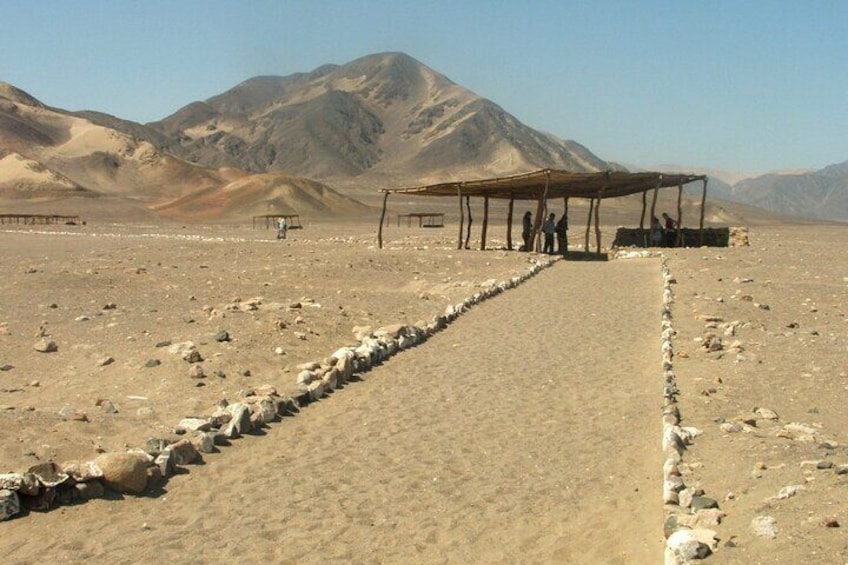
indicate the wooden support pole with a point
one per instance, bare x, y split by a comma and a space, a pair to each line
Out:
703, 211
509, 223
540, 212
642, 218
598, 226
470, 220
589, 224
679, 241
485, 222
461, 216
598, 213
382, 217
565, 234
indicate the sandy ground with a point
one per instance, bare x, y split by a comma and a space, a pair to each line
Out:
526, 432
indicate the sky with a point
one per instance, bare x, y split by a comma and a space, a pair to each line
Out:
736, 85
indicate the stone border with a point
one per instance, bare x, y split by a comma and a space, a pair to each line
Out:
688, 511
48, 485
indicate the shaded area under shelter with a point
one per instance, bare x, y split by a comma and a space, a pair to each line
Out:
545, 184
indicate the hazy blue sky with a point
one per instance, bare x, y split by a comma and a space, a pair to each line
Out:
741, 85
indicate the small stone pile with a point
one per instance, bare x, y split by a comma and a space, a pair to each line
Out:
47, 485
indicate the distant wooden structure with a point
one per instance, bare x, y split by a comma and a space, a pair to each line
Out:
425, 219
270, 221
542, 185
33, 219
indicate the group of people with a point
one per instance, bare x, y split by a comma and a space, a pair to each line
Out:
550, 228
663, 234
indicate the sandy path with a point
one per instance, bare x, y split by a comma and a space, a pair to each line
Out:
527, 432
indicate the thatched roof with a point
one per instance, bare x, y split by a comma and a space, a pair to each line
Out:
553, 184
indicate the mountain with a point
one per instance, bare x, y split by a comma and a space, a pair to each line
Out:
384, 119
821, 194
52, 160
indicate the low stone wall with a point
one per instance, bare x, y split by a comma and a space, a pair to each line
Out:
48, 485
689, 513
713, 237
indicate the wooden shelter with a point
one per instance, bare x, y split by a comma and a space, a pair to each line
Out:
544, 184
271, 221
425, 219
32, 219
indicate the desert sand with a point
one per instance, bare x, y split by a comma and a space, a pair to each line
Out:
528, 431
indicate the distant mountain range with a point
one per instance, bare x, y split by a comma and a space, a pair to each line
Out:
278, 144
812, 194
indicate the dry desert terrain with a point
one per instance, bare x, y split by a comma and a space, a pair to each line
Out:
527, 431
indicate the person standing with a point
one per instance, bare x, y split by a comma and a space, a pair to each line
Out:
527, 230
562, 234
656, 232
670, 231
282, 227
549, 229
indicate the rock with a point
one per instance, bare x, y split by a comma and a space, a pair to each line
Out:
82, 471
48, 474
124, 472
89, 490
766, 414
687, 545
764, 526
71, 413
195, 424
702, 503
103, 361
6, 367
11, 481
192, 356
305, 378
155, 446
196, 371
185, 453
45, 346
789, 491
222, 335
107, 406
830, 522
204, 442
165, 463
10, 504
152, 363
240, 422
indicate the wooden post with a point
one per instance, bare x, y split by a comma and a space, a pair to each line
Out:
485, 222
597, 226
642, 218
382, 217
470, 220
654, 207
703, 208
565, 215
541, 209
461, 216
509, 224
589, 225
679, 241
598, 213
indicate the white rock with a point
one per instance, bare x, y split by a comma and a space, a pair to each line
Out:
764, 526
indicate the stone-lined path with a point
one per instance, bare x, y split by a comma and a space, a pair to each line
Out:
527, 432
